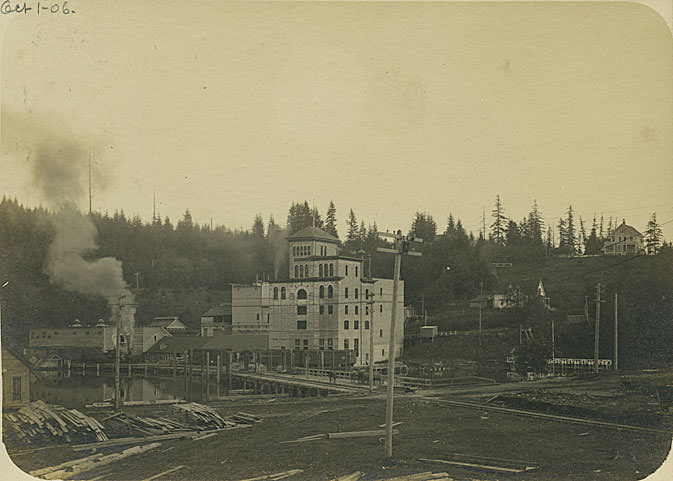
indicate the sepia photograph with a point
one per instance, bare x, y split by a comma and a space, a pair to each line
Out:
339, 241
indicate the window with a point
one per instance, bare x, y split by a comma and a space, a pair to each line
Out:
321, 291
356, 271
16, 388
330, 292
309, 250
356, 344
346, 293
268, 318
321, 344
380, 307
306, 344
296, 271
322, 310
301, 271
258, 316
357, 309
306, 270
346, 269
301, 294
301, 324
330, 344
297, 343
301, 310
366, 293
346, 309
345, 343
345, 324
325, 269
331, 270
381, 291
320, 270
367, 310
366, 325
330, 309
357, 293
275, 293
380, 332
356, 324
383, 352
282, 292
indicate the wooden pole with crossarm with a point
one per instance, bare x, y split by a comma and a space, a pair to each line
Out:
401, 246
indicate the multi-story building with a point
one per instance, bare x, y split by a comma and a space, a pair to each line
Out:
623, 240
324, 303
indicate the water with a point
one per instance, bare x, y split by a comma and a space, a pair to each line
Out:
76, 391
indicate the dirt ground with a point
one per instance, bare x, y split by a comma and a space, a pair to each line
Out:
562, 451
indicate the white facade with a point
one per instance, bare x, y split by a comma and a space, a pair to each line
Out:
323, 307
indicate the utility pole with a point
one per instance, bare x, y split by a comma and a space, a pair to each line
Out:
401, 247
597, 326
616, 347
137, 276
481, 295
90, 154
371, 342
118, 356
553, 349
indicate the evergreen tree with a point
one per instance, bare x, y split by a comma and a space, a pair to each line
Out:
534, 226
570, 235
330, 220
563, 235
258, 227
513, 235
450, 225
352, 243
498, 227
299, 217
423, 226
653, 235
601, 232
582, 240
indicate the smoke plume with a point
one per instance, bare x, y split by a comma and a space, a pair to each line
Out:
67, 266
59, 172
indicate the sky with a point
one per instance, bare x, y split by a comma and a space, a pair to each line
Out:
235, 109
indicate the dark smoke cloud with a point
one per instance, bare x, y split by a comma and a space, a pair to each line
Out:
58, 160
75, 238
59, 170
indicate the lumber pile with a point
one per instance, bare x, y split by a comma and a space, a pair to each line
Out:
145, 425
200, 416
40, 422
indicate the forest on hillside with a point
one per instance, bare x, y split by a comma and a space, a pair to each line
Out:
159, 256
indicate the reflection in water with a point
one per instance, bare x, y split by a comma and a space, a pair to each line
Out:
76, 391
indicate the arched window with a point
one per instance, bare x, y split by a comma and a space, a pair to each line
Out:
325, 270
301, 271
282, 293
366, 293
275, 293
331, 270
322, 292
306, 270
320, 270
294, 251
330, 292
301, 294
296, 271
309, 250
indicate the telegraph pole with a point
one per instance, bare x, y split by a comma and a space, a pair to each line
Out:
371, 342
597, 326
118, 357
616, 348
401, 247
553, 349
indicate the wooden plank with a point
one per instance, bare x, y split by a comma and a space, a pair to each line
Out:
284, 474
501, 469
158, 475
357, 434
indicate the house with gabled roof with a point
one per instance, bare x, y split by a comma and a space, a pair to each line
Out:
16, 373
171, 324
624, 240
